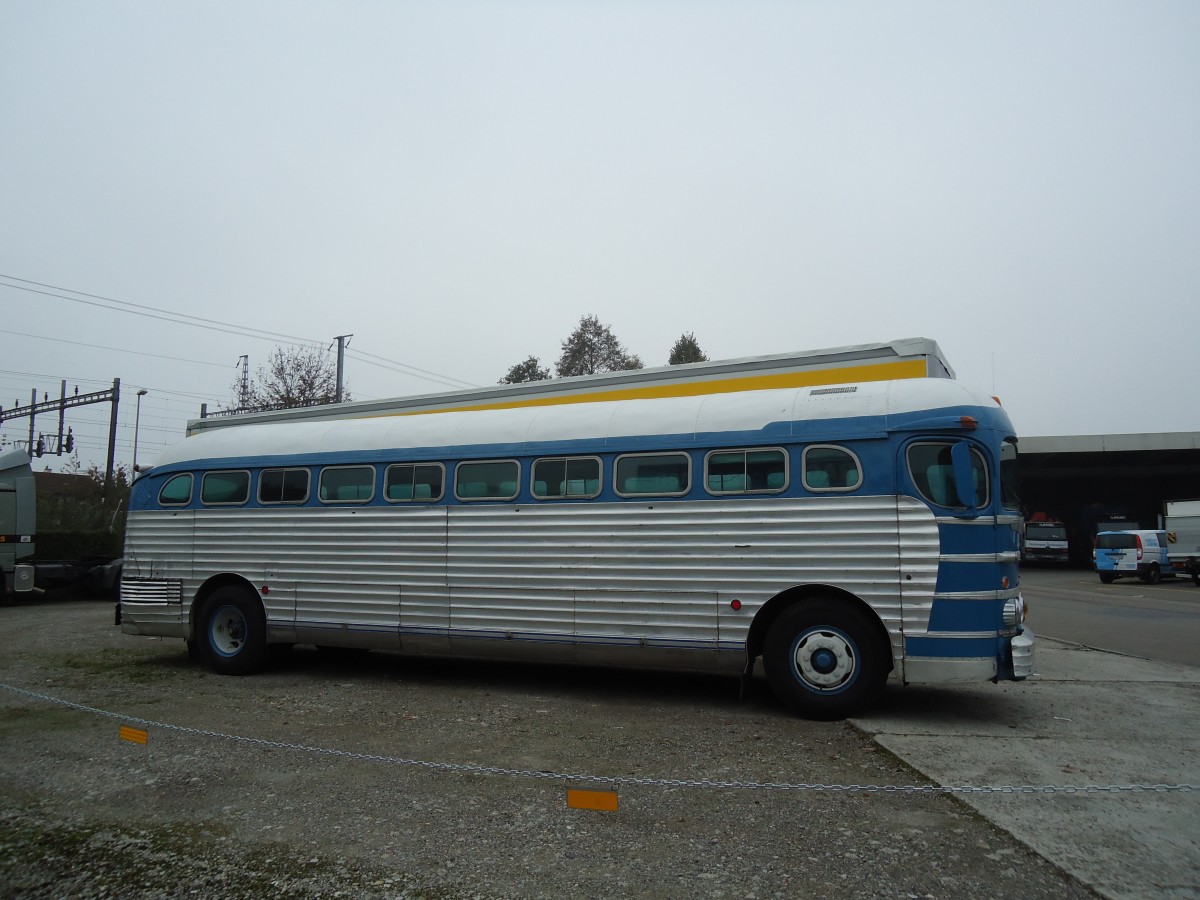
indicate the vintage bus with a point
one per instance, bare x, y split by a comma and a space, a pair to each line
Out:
830, 514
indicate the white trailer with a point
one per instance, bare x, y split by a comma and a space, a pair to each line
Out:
1182, 524
17, 511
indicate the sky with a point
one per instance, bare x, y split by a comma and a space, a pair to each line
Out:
456, 184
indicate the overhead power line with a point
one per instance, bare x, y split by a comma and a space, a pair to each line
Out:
199, 362
151, 312
373, 360
166, 315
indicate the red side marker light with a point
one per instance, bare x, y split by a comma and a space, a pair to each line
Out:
266, 589
968, 422
736, 605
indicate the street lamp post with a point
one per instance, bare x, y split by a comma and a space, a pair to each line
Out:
137, 421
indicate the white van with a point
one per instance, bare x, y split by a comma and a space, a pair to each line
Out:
1141, 553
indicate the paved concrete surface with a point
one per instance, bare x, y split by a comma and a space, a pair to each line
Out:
1086, 717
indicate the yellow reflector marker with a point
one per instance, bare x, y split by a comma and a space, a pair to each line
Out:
134, 735
602, 800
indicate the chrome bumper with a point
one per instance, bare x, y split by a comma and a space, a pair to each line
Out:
1022, 654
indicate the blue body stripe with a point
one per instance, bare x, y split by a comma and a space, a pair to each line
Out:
965, 615
953, 647
868, 436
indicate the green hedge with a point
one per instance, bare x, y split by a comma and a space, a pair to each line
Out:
72, 545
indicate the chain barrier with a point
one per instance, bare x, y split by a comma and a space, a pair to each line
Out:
617, 780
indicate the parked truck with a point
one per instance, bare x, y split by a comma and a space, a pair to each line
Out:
1045, 540
20, 571
17, 521
1181, 522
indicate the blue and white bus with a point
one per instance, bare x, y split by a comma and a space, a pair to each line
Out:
842, 531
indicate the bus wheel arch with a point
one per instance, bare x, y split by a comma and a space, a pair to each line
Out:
229, 626
826, 653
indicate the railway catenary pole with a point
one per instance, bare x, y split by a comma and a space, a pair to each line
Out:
342, 342
112, 443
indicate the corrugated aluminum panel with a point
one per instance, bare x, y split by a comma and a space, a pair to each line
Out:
641, 574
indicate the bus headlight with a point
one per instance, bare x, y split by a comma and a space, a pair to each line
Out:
1014, 611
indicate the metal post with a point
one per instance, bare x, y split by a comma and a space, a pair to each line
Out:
112, 443
137, 423
341, 364
62, 415
32, 413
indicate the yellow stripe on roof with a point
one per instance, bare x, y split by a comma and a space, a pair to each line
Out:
913, 368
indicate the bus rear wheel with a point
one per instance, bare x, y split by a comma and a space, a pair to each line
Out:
232, 636
824, 660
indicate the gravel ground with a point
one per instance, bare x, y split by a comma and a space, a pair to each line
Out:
197, 812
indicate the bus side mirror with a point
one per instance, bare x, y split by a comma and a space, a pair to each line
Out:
964, 476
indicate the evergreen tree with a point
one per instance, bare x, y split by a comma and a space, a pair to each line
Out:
593, 348
528, 370
686, 350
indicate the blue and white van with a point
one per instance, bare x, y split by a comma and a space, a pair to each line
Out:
1124, 553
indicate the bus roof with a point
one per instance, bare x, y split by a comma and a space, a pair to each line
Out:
908, 358
763, 416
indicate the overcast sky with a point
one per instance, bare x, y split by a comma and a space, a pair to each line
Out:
456, 184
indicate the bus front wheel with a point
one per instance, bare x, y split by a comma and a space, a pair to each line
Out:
232, 635
824, 660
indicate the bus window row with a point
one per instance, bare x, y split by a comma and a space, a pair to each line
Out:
669, 474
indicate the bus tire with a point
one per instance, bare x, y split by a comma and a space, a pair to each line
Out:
233, 632
1106, 578
824, 660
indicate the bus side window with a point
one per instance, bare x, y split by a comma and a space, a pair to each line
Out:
830, 469
566, 477
221, 488
653, 473
283, 486
499, 480
177, 491
414, 482
347, 484
745, 471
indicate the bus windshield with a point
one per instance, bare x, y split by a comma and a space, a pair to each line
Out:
1008, 475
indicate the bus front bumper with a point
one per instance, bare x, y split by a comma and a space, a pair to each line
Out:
1022, 654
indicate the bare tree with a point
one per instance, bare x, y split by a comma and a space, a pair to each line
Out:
293, 376
592, 348
686, 350
528, 370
